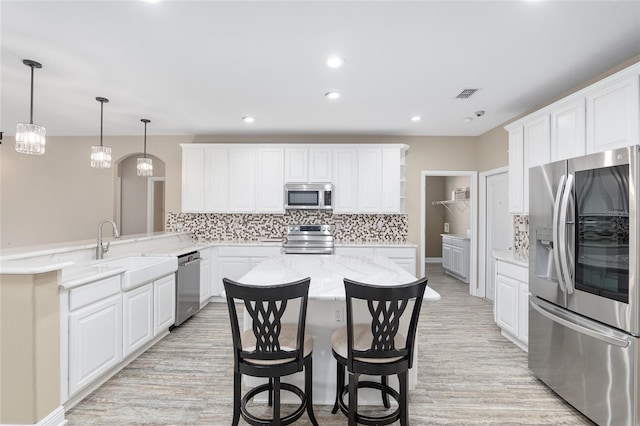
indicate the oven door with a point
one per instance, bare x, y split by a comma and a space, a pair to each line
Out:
602, 238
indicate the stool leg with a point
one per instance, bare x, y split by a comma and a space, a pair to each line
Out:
237, 378
353, 398
270, 398
276, 400
308, 390
339, 385
385, 395
403, 405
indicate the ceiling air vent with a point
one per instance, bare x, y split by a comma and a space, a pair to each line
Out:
466, 93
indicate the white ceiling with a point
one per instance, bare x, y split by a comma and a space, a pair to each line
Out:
198, 67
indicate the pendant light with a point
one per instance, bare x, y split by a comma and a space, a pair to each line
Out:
30, 138
100, 154
145, 165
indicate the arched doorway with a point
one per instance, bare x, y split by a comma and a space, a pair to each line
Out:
140, 200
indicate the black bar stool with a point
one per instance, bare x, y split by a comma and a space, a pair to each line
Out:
271, 349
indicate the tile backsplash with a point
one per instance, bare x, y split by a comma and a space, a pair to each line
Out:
357, 228
521, 234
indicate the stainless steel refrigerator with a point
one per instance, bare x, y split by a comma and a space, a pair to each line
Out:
584, 317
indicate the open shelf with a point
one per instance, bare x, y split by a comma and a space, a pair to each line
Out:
458, 204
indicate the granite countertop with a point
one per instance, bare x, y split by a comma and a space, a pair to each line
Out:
327, 273
511, 256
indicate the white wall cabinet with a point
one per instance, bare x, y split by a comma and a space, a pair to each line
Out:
512, 302
597, 118
216, 170
242, 180
307, 165
345, 168
137, 311
320, 170
164, 303
95, 331
269, 191
456, 256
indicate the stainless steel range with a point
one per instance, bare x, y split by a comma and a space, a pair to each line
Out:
309, 239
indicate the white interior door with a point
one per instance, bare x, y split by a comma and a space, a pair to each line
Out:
499, 224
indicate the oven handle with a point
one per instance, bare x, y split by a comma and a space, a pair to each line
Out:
562, 236
556, 243
580, 328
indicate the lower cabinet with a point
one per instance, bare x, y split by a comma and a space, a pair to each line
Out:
164, 303
137, 313
234, 261
456, 256
205, 276
511, 302
95, 340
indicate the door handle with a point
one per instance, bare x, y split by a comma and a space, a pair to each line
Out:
556, 244
565, 261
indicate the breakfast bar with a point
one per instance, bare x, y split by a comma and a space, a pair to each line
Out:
326, 307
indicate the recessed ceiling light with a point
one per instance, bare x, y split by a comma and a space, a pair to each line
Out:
335, 61
248, 119
332, 95
416, 118
467, 119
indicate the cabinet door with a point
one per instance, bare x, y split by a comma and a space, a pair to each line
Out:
391, 179
568, 130
270, 181
137, 323
215, 180
192, 179
345, 179
612, 116
369, 180
233, 268
95, 341
458, 261
242, 180
507, 304
164, 303
537, 149
205, 280
447, 257
523, 312
516, 171
320, 165
296, 165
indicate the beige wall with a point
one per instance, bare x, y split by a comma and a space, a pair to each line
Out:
493, 149
434, 215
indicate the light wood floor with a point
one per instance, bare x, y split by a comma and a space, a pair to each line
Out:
469, 374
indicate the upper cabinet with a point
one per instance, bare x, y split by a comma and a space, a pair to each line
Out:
597, 118
246, 178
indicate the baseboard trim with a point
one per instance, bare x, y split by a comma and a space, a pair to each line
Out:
55, 418
432, 260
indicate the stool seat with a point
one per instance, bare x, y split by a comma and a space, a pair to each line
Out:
288, 336
362, 339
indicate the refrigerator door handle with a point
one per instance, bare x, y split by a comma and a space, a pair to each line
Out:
580, 328
562, 237
556, 246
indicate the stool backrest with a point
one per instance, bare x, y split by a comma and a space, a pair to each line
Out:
266, 306
387, 306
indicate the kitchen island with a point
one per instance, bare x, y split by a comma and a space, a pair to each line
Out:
326, 308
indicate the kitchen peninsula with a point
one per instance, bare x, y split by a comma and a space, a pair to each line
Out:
326, 308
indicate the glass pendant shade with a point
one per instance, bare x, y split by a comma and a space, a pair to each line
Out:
30, 139
100, 157
145, 167
100, 154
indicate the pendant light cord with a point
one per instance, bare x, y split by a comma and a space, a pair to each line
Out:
101, 108
31, 107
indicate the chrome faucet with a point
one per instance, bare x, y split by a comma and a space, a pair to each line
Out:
100, 249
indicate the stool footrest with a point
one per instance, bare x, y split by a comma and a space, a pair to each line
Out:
371, 420
290, 418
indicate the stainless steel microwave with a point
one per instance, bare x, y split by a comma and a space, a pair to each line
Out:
310, 196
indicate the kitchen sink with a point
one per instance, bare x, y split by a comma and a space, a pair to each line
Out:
141, 269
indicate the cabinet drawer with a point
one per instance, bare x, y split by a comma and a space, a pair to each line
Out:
516, 272
82, 296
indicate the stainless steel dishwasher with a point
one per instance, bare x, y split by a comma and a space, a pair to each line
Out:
187, 286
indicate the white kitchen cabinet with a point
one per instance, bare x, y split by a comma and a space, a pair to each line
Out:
369, 180
516, 169
206, 276
95, 331
193, 178
512, 302
456, 256
307, 165
215, 180
392, 195
242, 180
235, 261
568, 129
269, 191
164, 303
612, 114
320, 170
345, 189
137, 311
537, 149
